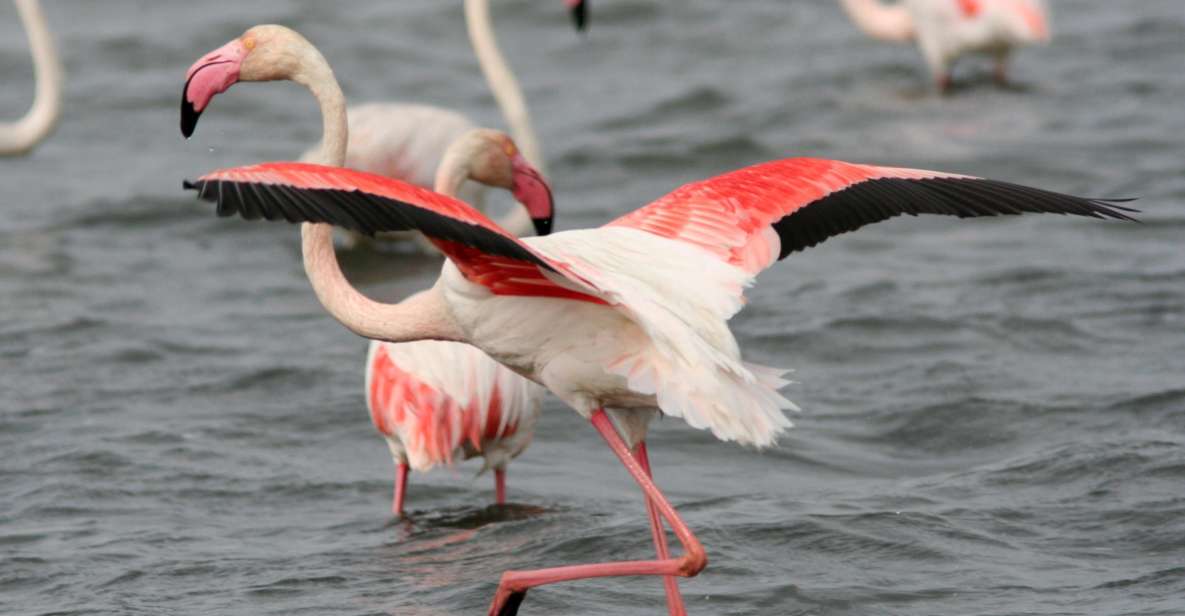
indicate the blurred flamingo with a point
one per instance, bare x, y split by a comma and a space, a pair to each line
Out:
19, 137
433, 401
947, 29
623, 321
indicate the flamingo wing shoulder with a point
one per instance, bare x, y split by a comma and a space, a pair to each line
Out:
757, 215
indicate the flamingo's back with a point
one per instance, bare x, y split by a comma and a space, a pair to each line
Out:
981, 25
405, 142
435, 400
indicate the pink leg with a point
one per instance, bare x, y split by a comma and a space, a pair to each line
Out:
670, 584
500, 486
400, 489
512, 589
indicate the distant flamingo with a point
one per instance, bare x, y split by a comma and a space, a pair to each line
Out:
947, 29
406, 141
630, 317
432, 400
19, 137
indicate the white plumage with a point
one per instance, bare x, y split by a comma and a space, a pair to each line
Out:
662, 341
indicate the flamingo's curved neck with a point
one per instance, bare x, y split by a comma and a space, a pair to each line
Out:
313, 72
22, 135
501, 81
424, 316
881, 21
421, 317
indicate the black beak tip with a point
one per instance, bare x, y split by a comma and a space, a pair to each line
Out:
580, 15
542, 225
189, 117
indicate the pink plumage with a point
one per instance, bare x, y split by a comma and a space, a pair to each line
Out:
436, 401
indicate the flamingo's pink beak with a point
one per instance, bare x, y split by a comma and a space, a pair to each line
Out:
531, 190
579, 11
209, 76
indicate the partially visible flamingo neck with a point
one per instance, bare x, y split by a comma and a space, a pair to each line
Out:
501, 81
19, 137
314, 73
880, 21
424, 316
421, 317
455, 167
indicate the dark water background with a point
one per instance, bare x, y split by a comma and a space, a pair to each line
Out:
994, 410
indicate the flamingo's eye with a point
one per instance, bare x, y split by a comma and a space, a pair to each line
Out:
249, 42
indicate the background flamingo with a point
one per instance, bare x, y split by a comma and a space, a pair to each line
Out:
432, 400
631, 316
407, 141
19, 137
947, 29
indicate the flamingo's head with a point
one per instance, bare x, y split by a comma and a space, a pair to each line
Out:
491, 157
263, 53
579, 11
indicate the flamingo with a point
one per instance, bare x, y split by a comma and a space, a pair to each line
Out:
407, 141
432, 401
622, 321
435, 400
19, 137
947, 29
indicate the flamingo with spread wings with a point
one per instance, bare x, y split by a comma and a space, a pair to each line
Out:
944, 30
621, 321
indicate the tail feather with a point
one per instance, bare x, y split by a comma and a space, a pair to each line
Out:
743, 407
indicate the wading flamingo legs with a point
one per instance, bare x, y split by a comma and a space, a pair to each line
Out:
513, 587
670, 584
500, 486
400, 489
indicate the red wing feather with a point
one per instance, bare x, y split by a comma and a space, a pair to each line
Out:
369, 203
756, 215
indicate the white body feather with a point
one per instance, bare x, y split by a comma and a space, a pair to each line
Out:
662, 342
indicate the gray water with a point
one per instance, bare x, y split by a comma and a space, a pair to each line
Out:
994, 410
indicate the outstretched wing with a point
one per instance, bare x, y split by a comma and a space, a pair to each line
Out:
755, 216
368, 203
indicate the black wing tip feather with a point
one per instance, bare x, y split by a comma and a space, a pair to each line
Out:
351, 209
879, 199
